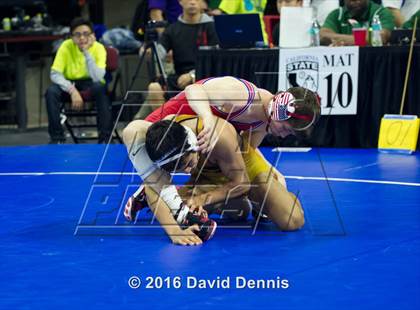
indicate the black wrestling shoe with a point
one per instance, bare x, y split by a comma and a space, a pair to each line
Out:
263, 218
134, 204
207, 226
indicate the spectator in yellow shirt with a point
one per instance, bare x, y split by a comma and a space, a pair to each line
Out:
79, 65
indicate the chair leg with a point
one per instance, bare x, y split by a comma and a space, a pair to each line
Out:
117, 136
70, 130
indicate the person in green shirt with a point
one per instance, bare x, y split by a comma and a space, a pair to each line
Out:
337, 29
213, 4
409, 24
244, 7
79, 65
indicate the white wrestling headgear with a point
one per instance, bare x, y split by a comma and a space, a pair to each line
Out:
193, 147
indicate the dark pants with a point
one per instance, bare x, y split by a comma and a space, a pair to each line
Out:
55, 97
172, 88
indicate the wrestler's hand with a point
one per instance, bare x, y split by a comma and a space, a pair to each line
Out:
207, 137
186, 236
195, 205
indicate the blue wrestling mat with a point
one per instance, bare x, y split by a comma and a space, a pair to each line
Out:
64, 243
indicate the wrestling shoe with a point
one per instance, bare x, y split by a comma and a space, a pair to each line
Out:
207, 226
135, 203
263, 218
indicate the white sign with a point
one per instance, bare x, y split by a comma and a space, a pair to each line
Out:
332, 72
294, 27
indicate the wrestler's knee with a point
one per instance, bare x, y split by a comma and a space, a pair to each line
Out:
295, 222
296, 219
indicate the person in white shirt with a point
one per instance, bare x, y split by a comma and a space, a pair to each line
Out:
402, 9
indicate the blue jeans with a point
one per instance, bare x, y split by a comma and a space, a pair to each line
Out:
55, 97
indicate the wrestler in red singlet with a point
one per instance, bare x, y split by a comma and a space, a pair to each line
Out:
179, 105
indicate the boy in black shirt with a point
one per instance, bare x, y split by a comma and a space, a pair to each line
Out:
183, 38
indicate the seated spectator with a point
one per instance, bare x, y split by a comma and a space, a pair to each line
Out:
401, 9
79, 64
193, 29
409, 24
244, 7
337, 30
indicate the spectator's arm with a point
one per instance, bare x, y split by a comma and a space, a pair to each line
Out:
165, 44
394, 6
215, 12
328, 37
398, 17
95, 72
387, 22
59, 79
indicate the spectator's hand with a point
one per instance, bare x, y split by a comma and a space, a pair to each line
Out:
186, 236
76, 100
207, 137
214, 12
335, 43
184, 80
90, 39
170, 57
148, 52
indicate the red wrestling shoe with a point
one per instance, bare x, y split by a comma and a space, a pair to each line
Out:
207, 226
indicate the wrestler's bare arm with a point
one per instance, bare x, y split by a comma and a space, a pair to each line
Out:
166, 219
228, 157
226, 92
